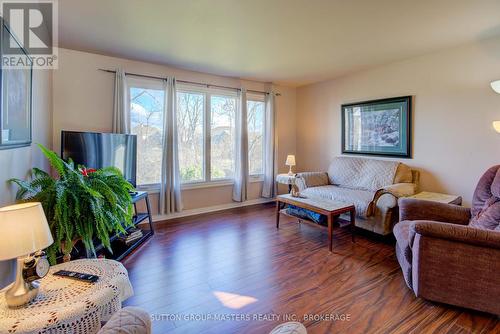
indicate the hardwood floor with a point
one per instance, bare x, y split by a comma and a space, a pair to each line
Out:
238, 269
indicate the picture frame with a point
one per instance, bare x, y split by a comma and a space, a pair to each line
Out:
15, 96
380, 127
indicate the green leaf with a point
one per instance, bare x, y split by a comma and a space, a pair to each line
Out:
76, 206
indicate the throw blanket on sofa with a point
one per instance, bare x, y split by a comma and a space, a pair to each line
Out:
360, 198
359, 173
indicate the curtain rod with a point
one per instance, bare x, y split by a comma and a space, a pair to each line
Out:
188, 82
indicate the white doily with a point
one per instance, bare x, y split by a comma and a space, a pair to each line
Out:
66, 305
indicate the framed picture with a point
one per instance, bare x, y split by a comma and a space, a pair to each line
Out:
15, 96
378, 127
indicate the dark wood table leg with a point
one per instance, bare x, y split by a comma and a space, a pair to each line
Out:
278, 214
353, 225
330, 232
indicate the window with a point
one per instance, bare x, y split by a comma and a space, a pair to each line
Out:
206, 126
222, 137
255, 125
146, 115
190, 127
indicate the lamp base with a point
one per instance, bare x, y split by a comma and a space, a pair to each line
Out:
21, 292
290, 173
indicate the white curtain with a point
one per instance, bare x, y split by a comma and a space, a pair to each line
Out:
170, 188
269, 184
240, 193
121, 111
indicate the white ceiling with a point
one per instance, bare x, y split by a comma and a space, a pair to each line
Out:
291, 42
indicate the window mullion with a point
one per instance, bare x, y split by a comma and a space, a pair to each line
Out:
207, 137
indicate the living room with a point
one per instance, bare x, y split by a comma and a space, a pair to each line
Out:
278, 166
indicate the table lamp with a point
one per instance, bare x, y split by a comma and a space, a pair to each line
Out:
23, 231
290, 161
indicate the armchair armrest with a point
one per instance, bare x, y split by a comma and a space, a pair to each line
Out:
415, 209
311, 179
456, 264
459, 233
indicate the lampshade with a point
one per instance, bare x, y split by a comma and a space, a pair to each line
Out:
290, 160
495, 85
496, 126
23, 230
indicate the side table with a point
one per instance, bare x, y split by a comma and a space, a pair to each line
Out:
438, 197
286, 179
65, 305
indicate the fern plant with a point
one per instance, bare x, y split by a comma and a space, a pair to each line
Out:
80, 203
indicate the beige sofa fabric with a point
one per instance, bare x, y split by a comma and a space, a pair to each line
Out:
373, 186
312, 179
359, 197
403, 174
128, 320
361, 173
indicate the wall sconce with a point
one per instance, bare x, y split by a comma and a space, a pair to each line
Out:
496, 126
495, 85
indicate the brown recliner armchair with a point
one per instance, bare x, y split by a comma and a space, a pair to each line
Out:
450, 254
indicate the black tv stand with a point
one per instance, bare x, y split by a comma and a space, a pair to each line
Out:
120, 250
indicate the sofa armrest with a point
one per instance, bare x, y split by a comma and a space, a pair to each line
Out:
387, 197
415, 209
400, 189
459, 233
311, 179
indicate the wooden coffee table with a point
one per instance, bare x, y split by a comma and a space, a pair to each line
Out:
331, 209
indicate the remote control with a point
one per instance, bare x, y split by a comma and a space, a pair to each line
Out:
78, 276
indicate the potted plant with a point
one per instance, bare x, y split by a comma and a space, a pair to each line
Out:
80, 203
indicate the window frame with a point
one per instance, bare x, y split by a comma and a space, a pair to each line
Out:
143, 83
207, 92
256, 97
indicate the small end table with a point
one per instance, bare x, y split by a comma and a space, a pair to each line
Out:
65, 305
286, 179
438, 197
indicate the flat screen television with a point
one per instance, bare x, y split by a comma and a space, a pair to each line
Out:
98, 150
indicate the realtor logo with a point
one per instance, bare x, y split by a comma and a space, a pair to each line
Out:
29, 34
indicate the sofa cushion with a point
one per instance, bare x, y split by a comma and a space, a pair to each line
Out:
402, 234
405, 267
486, 201
403, 249
489, 217
314, 179
360, 198
483, 190
128, 320
360, 173
403, 174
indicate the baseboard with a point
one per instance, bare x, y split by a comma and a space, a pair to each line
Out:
214, 208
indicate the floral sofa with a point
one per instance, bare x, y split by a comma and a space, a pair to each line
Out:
373, 186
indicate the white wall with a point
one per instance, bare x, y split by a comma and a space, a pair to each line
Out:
83, 101
16, 163
453, 140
